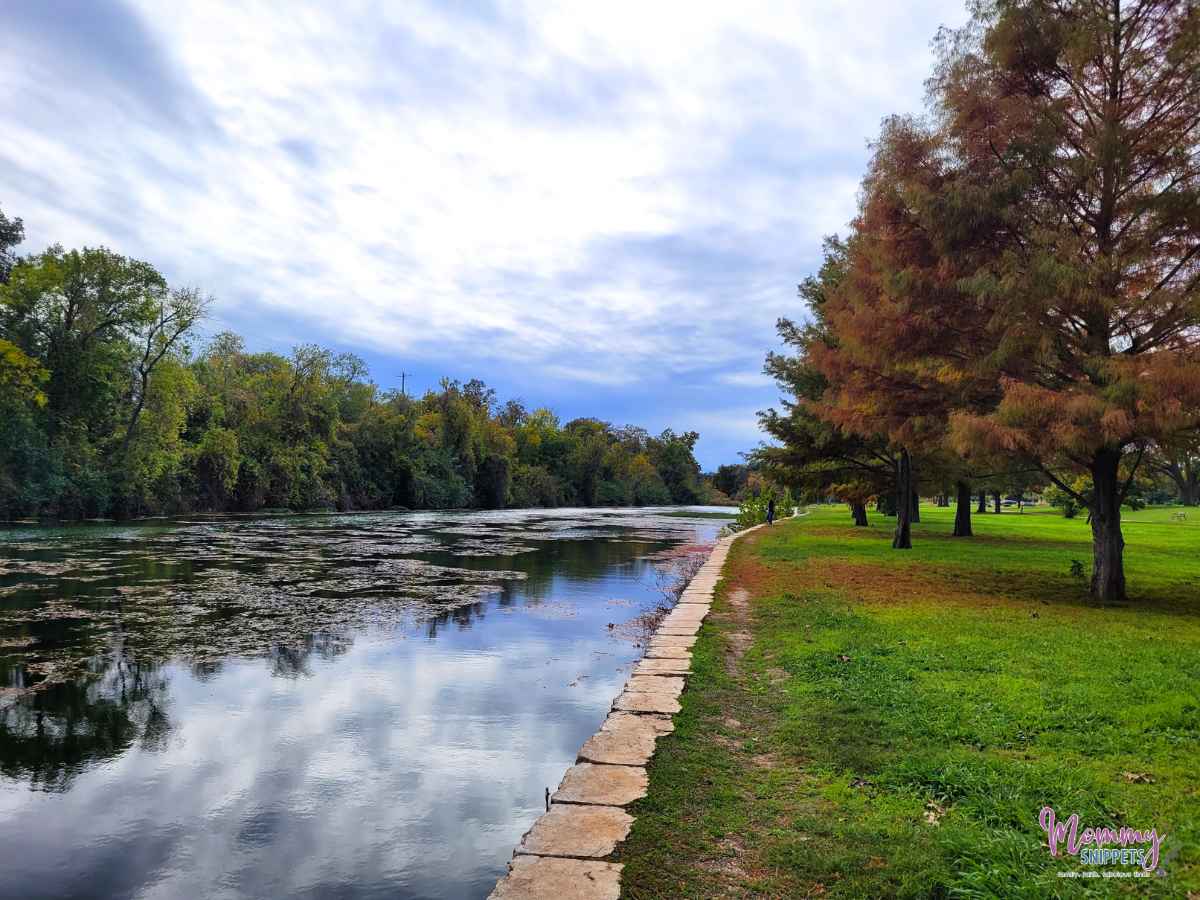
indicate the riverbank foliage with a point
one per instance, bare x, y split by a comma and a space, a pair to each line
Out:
753, 509
860, 724
110, 405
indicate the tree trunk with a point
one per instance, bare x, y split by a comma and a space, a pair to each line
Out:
996, 501
982, 502
962, 511
133, 421
1108, 545
1182, 477
916, 501
888, 501
943, 500
859, 512
1185, 482
902, 539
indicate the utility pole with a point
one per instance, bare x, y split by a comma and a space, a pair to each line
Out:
403, 376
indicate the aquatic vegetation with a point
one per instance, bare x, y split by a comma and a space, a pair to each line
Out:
206, 588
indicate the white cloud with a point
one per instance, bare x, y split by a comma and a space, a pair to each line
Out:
725, 421
584, 187
746, 379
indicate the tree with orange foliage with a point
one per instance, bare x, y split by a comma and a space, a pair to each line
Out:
814, 455
1023, 280
1075, 129
909, 347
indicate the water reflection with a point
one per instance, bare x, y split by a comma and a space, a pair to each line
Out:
190, 713
63, 728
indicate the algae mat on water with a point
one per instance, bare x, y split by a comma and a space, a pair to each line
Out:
863, 722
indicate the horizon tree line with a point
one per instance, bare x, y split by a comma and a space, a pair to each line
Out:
108, 409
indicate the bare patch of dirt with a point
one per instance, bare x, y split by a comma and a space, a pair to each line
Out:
727, 743
737, 642
739, 599
737, 610
728, 865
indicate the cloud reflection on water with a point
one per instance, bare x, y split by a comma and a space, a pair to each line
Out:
404, 758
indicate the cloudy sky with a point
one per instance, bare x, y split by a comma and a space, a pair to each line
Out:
601, 206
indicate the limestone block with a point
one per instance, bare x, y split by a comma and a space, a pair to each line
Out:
572, 829
542, 877
601, 785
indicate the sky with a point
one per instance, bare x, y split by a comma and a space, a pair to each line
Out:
598, 207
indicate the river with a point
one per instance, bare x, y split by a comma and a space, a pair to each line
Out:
341, 705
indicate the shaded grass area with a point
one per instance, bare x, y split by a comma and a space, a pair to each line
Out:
867, 723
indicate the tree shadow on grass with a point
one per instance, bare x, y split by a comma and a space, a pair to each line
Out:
975, 577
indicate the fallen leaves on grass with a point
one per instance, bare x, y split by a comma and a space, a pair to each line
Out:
1138, 777
934, 812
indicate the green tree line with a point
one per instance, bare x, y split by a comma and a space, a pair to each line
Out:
110, 406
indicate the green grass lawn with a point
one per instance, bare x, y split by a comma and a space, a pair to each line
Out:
864, 722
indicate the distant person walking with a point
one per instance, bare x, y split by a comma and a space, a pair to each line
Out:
771, 511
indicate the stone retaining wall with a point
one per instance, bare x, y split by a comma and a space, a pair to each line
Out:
564, 855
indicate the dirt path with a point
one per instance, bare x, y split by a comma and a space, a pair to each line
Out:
737, 613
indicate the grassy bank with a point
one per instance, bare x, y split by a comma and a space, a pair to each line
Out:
869, 723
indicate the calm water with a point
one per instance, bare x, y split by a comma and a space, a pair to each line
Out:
303, 706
